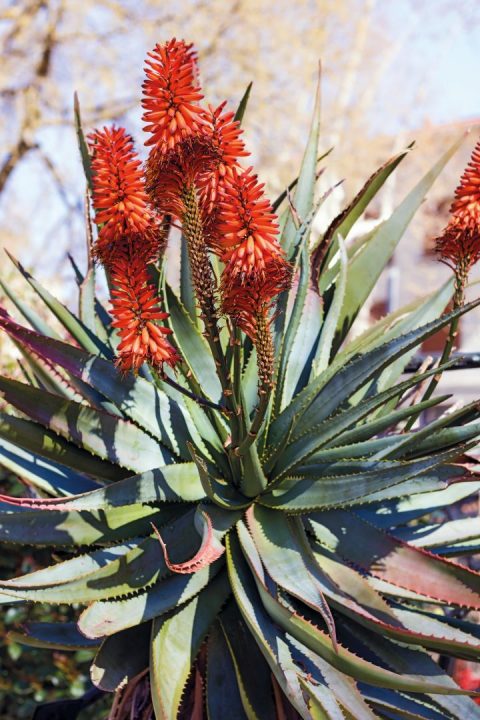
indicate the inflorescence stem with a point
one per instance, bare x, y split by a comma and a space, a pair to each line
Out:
458, 300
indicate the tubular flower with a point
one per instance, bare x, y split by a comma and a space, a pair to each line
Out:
225, 135
119, 196
171, 95
459, 244
135, 309
246, 228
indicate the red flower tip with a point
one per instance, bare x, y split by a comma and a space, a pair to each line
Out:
459, 244
245, 229
136, 311
171, 95
119, 196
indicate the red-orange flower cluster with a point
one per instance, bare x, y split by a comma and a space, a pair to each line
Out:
196, 154
130, 236
119, 196
224, 134
171, 95
459, 244
246, 226
135, 309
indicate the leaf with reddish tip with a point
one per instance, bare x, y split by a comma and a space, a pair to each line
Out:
317, 641
387, 558
210, 549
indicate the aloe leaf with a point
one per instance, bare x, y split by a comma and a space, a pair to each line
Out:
359, 436
303, 345
429, 310
243, 103
284, 560
322, 356
336, 429
397, 705
138, 399
267, 635
367, 266
291, 186
317, 641
312, 490
223, 697
412, 506
438, 535
30, 315
208, 438
54, 636
341, 691
303, 199
107, 436
332, 388
47, 475
402, 564
439, 636
325, 254
402, 659
24, 525
249, 383
252, 672
86, 339
52, 379
362, 441
187, 293
290, 319
169, 484
65, 571
121, 657
175, 643
82, 145
132, 572
34, 438
106, 617
395, 323
432, 481
193, 347
210, 550
371, 611
46, 376
218, 490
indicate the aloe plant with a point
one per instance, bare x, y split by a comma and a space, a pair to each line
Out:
239, 509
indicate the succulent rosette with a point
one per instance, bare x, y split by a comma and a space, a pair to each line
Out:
235, 490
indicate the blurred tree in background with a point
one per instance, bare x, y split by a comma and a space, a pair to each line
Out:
381, 64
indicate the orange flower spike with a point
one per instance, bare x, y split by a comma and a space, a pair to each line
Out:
135, 310
171, 95
466, 206
246, 228
459, 244
119, 196
225, 135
